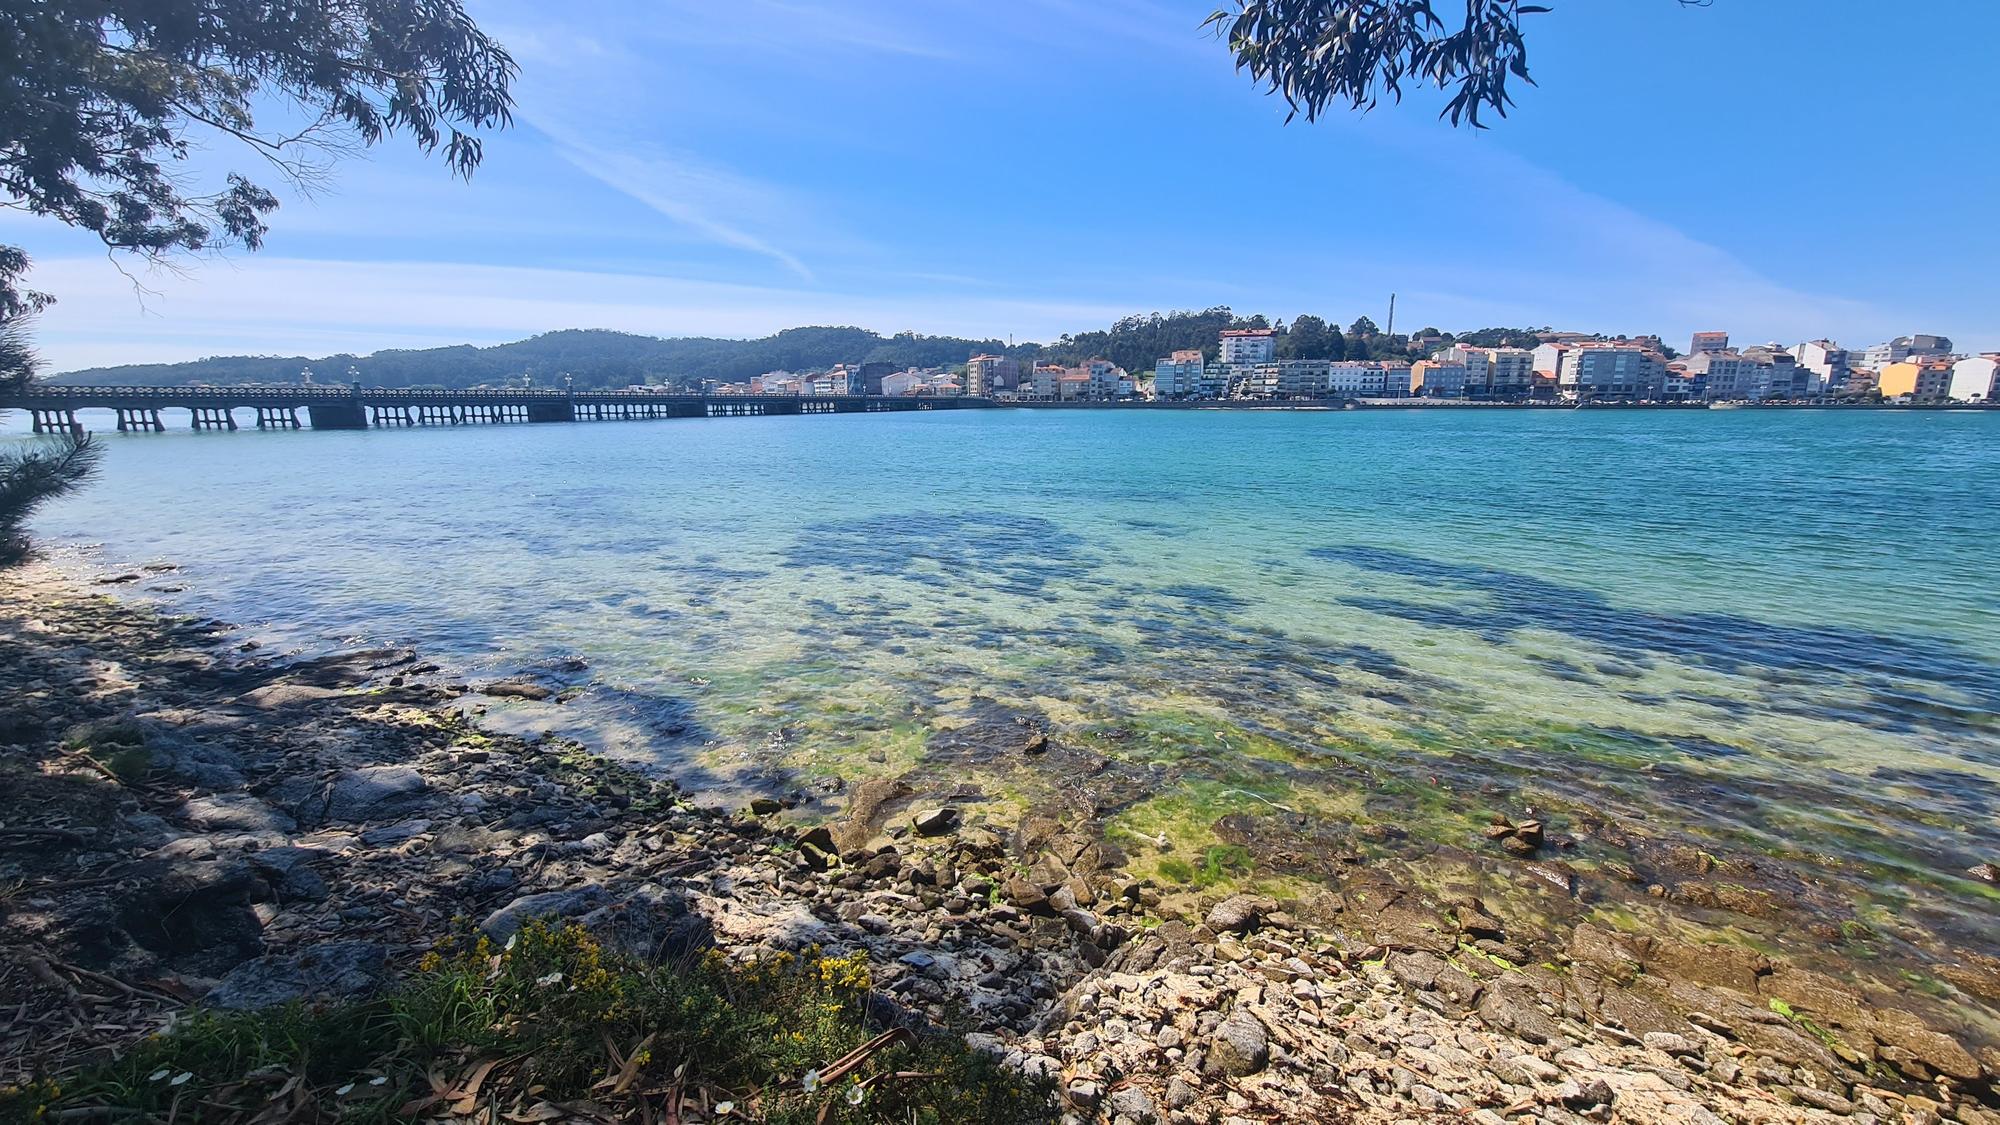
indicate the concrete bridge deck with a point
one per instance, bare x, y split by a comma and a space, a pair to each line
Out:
53, 407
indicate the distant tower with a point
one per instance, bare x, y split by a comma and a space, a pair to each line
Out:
306, 376
1390, 331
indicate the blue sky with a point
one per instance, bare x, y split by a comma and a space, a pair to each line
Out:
1782, 169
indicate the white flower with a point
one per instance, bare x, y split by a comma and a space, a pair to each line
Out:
810, 1081
724, 1109
856, 1094
552, 978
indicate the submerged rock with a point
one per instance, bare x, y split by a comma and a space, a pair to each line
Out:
935, 822
517, 689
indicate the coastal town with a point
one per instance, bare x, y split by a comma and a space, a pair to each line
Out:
1249, 365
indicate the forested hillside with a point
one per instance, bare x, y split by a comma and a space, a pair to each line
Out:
597, 358
593, 358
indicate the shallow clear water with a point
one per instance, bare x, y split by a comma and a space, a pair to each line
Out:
1773, 631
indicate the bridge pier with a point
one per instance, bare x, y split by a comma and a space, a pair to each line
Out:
337, 416
277, 418
55, 420
213, 417
147, 418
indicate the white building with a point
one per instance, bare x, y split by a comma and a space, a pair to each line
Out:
1104, 378
902, 383
1976, 379
1708, 342
1906, 347
1284, 379
1548, 358
1827, 361
1354, 378
1249, 345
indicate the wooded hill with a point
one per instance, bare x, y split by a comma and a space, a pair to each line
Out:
599, 358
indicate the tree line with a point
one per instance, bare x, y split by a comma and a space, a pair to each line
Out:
594, 358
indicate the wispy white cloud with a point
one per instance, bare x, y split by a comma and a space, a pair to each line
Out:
709, 200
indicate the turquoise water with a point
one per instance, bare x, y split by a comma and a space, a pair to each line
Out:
1767, 633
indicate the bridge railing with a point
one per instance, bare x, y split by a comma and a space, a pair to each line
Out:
64, 396
56, 395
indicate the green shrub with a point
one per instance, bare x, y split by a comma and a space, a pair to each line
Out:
554, 1018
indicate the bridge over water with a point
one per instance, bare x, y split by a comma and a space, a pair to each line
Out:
53, 407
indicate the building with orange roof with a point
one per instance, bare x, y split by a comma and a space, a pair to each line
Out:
1922, 380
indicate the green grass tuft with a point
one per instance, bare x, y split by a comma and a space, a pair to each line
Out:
554, 1018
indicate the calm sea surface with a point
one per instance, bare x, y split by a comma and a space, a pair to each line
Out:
1773, 632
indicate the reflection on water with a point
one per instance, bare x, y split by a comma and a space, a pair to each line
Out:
1391, 621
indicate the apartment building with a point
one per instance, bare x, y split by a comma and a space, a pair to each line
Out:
1919, 346
1547, 359
1432, 379
1284, 379
1104, 378
1249, 345
1924, 379
1179, 375
1611, 371
1704, 342
1828, 363
1776, 373
1495, 374
1355, 378
1976, 379
985, 374
1044, 381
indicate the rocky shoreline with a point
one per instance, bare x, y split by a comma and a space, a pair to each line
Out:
191, 823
